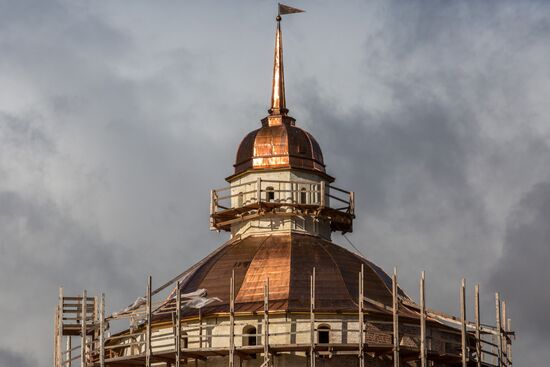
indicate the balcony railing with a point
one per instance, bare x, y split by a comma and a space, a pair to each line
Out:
258, 197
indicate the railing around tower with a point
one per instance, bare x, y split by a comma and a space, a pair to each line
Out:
252, 199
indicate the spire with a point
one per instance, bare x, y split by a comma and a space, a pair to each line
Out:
278, 100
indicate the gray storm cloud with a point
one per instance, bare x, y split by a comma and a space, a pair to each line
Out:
523, 272
117, 118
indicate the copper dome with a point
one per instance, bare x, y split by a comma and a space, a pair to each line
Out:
279, 145
288, 260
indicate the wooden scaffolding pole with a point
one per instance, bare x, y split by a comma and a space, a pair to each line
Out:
323, 193
178, 325
213, 208
510, 342
423, 359
148, 332
200, 335
232, 319
505, 334
312, 320
68, 352
200, 327
499, 330
95, 321
83, 331
259, 189
55, 339
479, 357
59, 328
396, 338
266, 324
463, 321
361, 320
102, 331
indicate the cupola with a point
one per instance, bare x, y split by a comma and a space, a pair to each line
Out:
280, 183
279, 143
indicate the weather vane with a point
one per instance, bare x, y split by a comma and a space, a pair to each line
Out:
285, 9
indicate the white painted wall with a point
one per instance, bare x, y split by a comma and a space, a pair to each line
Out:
244, 191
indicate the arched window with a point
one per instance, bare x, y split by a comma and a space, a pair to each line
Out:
184, 340
249, 335
323, 334
303, 196
240, 199
269, 194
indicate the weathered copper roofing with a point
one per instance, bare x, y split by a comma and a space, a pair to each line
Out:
288, 261
279, 144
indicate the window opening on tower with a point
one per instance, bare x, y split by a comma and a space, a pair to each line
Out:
323, 334
303, 196
270, 194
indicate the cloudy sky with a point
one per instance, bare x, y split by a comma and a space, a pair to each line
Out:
117, 117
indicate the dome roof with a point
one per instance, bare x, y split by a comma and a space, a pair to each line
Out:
280, 145
288, 260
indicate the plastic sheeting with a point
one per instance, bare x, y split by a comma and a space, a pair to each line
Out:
195, 299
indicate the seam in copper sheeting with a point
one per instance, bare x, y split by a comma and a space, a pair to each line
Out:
262, 244
322, 245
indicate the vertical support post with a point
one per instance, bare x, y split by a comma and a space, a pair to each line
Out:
102, 331
83, 331
352, 203
148, 332
478, 327
213, 207
59, 329
68, 352
494, 349
510, 342
200, 335
312, 320
55, 332
178, 324
232, 319
259, 189
323, 193
463, 321
95, 318
200, 327
396, 338
361, 320
499, 330
266, 324
423, 359
505, 335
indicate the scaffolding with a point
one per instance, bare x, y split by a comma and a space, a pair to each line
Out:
400, 340
257, 198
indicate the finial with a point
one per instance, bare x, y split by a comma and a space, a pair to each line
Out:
278, 99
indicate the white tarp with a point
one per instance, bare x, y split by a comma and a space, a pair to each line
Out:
140, 301
196, 299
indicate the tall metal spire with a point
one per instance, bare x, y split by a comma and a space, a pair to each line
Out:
278, 99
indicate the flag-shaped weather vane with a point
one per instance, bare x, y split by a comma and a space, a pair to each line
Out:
285, 9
